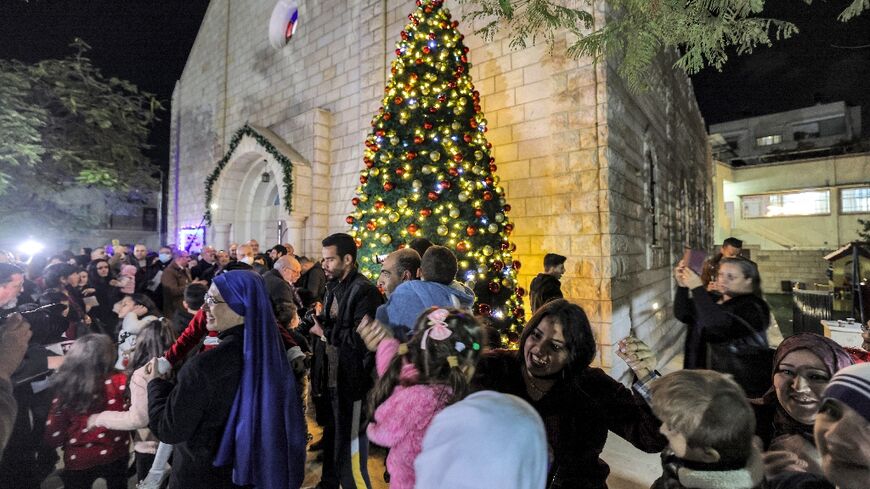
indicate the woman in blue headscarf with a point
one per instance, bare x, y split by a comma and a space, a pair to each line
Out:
234, 412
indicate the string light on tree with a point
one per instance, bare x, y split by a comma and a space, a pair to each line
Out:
429, 171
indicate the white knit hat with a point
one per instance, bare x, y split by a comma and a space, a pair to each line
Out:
487, 440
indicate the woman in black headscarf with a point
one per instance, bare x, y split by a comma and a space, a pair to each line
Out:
107, 293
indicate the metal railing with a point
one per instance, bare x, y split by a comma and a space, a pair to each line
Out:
809, 308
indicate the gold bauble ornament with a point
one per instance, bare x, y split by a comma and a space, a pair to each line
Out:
393, 216
435, 156
492, 228
426, 169
463, 196
386, 239
487, 250
417, 184
454, 213
499, 217
441, 230
402, 203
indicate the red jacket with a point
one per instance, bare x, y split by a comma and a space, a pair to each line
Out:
196, 330
84, 448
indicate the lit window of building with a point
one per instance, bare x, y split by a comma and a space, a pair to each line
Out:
855, 200
768, 140
802, 203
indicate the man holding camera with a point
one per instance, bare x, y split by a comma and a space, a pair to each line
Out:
342, 372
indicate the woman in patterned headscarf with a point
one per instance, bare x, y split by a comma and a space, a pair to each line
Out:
802, 367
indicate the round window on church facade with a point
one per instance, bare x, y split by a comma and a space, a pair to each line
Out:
283, 24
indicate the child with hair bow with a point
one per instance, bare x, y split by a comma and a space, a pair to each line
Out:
417, 380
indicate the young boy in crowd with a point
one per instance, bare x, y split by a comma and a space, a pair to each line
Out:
194, 297
438, 268
710, 425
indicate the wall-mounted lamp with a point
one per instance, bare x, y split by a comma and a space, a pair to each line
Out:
266, 177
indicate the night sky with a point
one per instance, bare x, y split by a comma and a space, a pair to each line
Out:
147, 42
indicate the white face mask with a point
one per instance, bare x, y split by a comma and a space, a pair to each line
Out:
247, 259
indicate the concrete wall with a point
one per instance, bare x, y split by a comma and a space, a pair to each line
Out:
775, 266
792, 232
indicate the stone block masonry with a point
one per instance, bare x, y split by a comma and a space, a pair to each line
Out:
616, 181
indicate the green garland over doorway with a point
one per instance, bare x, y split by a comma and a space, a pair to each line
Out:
286, 168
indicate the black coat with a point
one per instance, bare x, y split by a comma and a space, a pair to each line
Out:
577, 415
193, 413
355, 297
280, 291
543, 289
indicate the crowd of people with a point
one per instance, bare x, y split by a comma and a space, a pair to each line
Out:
205, 368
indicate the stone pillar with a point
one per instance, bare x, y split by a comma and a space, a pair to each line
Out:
295, 232
222, 235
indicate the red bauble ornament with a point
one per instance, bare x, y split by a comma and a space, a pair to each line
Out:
505, 245
498, 265
371, 225
380, 204
427, 125
400, 171
398, 100
487, 195
363, 179
492, 167
369, 163
355, 201
484, 309
521, 292
389, 186
467, 137
432, 110
412, 228
473, 123
357, 242
404, 35
488, 180
425, 49
462, 247
460, 69
463, 58
433, 196
445, 184
413, 76
494, 287
398, 52
471, 230
457, 157
517, 264
513, 245
431, 35
519, 312
425, 212
388, 116
380, 132
464, 50
508, 228
506, 208
455, 24
418, 139
349, 219
453, 171
478, 212
410, 155
418, 61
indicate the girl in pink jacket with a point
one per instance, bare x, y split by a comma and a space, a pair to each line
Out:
417, 380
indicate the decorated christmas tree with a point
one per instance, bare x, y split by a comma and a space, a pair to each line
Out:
429, 171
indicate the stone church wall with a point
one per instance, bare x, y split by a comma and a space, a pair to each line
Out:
573, 146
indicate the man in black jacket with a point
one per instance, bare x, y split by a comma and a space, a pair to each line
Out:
342, 373
546, 286
279, 282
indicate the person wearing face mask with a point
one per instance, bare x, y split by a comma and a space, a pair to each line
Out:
803, 367
578, 403
245, 254
738, 319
